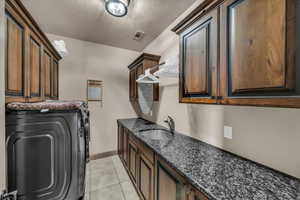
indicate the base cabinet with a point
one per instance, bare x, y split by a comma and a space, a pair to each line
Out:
169, 185
125, 154
133, 156
146, 178
152, 177
193, 194
123, 144
120, 141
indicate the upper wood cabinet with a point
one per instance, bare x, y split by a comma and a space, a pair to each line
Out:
35, 68
255, 59
137, 68
258, 53
199, 60
47, 64
31, 60
55, 79
15, 61
240, 52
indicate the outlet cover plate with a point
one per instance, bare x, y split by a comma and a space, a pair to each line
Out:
228, 132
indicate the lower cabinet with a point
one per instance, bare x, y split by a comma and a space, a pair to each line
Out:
146, 178
120, 140
125, 147
152, 177
169, 185
133, 156
193, 194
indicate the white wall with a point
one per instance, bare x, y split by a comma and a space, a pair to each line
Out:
88, 60
270, 136
2, 98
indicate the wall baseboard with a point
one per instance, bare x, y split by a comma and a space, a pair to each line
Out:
103, 155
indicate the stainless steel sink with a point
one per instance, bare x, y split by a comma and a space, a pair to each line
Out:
156, 134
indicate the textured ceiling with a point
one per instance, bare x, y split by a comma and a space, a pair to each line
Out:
87, 20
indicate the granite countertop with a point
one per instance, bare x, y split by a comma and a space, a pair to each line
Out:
217, 173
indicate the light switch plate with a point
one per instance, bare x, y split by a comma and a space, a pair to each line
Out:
228, 132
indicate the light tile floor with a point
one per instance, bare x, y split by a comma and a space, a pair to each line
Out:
107, 179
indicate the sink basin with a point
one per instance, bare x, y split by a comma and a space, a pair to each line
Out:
156, 134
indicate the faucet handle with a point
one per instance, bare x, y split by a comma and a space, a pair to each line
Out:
171, 123
167, 120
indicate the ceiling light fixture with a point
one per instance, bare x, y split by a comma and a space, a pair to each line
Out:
117, 8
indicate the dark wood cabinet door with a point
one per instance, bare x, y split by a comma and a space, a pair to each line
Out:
132, 84
55, 77
15, 60
35, 68
133, 155
31, 71
199, 60
139, 71
193, 194
256, 45
150, 64
137, 68
169, 185
120, 141
146, 178
47, 61
126, 148
257, 51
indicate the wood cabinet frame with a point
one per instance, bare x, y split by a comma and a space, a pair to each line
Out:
146, 180
21, 94
31, 95
193, 194
180, 182
280, 100
133, 161
143, 161
209, 23
16, 11
138, 67
285, 96
126, 147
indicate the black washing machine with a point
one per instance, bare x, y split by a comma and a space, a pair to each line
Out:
47, 151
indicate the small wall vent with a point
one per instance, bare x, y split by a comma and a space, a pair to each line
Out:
138, 36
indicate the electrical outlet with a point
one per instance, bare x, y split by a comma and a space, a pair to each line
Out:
228, 132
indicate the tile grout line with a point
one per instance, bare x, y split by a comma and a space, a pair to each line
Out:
106, 186
115, 168
124, 181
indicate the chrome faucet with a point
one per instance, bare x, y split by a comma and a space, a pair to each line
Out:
170, 121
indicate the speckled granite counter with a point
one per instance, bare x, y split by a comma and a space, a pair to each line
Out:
218, 174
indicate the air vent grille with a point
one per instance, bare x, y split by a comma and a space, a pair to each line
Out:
139, 35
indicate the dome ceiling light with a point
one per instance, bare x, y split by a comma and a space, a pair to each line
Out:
117, 8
